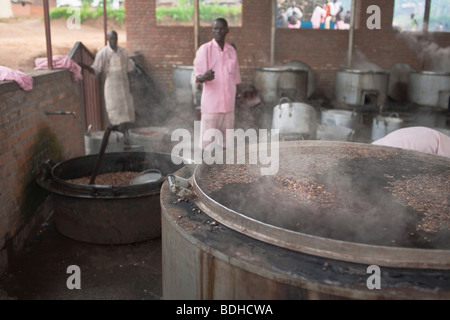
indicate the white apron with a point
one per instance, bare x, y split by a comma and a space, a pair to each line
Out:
118, 99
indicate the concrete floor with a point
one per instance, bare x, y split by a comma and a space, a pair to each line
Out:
115, 272
107, 272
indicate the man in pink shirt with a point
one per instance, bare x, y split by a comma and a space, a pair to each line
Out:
216, 67
421, 139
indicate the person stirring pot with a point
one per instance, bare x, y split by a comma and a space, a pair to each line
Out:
113, 61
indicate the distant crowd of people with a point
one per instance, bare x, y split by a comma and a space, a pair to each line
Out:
330, 15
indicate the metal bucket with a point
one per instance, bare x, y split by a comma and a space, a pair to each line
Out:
107, 214
381, 126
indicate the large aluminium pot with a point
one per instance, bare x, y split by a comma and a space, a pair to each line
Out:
318, 228
354, 86
106, 214
276, 82
295, 118
428, 88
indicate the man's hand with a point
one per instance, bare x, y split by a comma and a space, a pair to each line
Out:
208, 76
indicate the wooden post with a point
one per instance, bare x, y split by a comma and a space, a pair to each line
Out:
48, 35
273, 31
196, 25
426, 17
350, 36
105, 25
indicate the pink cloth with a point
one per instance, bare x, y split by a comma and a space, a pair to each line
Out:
24, 80
418, 138
318, 16
60, 62
218, 95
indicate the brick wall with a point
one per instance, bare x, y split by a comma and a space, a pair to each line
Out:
323, 50
29, 136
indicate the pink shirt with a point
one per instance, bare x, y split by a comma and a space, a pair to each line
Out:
218, 95
318, 17
418, 138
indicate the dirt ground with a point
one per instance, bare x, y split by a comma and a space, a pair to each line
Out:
22, 40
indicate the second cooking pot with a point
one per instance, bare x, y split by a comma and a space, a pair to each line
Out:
295, 118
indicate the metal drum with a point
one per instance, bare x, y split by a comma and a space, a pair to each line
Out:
354, 87
285, 81
107, 214
427, 88
315, 229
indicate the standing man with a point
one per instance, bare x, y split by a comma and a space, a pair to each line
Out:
216, 67
114, 62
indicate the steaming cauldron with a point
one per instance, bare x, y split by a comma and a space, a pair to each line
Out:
107, 214
428, 88
313, 229
354, 87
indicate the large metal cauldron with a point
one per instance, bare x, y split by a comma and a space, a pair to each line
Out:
358, 87
283, 81
430, 88
312, 230
106, 214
